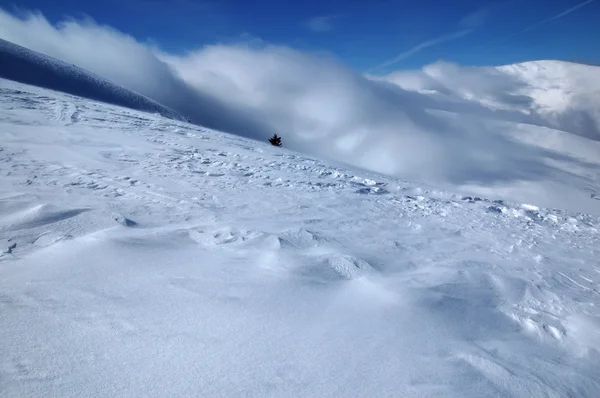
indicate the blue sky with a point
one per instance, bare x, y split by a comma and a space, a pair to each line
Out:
376, 36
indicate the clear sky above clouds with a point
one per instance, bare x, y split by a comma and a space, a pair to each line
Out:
377, 36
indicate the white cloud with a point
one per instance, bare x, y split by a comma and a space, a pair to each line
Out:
315, 103
320, 24
476, 18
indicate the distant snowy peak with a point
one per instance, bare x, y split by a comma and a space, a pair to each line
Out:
555, 94
23, 65
558, 86
549, 70
566, 93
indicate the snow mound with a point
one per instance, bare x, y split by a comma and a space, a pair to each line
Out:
23, 65
35, 216
348, 266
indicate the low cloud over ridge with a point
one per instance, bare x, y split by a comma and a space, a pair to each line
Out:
444, 123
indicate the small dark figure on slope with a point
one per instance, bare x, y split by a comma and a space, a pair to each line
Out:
275, 140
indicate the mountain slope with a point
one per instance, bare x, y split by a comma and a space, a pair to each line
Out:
27, 66
147, 257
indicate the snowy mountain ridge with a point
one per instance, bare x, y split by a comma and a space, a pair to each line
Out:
30, 67
560, 87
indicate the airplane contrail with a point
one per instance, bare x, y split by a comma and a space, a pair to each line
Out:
554, 18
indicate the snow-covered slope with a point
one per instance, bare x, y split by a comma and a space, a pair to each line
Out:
27, 66
148, 257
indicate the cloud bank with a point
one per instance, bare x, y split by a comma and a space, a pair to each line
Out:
443, 123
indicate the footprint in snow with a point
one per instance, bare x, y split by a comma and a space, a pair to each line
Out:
470, 199
124, 221
495, 209
10, 248
372, 191
301, 239
49, 238
226, 235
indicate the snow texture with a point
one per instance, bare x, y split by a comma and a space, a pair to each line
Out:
142, 256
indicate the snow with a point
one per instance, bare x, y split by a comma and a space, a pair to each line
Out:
27, 66
143, 256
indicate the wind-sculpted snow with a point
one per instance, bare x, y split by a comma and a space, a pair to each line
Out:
141, 256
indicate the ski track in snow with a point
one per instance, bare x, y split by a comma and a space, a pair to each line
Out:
141, 256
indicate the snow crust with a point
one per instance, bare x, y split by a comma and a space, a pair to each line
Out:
143, 256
